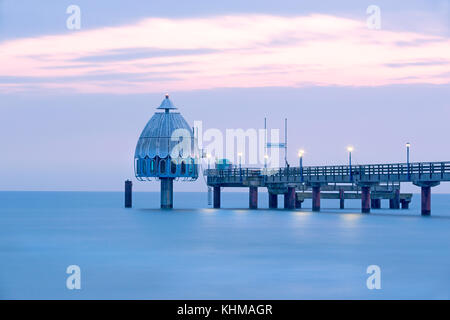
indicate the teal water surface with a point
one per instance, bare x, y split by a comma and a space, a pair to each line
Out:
195, 252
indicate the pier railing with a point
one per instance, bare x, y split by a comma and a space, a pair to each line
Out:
394, 172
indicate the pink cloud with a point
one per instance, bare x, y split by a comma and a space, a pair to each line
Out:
157, 55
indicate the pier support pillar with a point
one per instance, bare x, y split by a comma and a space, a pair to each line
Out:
404, 203
316, 198
216, 201
166, 193
426, 200
341, 199
298, 203
365, 199
128, 194
375, 203
289, 198
426, 195
273, 200
253, 197
394, 202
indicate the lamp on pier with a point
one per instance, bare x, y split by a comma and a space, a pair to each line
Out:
208, 157
350, 149
408, 145
240, 160
300, 156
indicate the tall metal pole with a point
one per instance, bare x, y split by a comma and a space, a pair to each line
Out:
350, 149
300, 156
285, 142
265, 143
407, 159
301, 167
350, 163
240, 166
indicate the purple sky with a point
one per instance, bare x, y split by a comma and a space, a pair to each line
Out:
73, 102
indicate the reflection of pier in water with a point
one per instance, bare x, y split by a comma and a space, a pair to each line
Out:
370, 183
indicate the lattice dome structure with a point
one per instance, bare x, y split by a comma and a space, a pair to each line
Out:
166, 150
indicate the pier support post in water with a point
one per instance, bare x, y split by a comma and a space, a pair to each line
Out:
289, 198
426, 200
365, 199
426, 195
298, 202
375, 203
253, 198
273, 200
316, 198
128, 194
166, 193
341, 198
405, 203
394, 202
216, 197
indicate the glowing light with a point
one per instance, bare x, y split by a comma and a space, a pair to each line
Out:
350, 148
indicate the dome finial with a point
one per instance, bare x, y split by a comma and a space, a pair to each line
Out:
166, 104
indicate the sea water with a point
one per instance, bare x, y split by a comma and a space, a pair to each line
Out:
196, 252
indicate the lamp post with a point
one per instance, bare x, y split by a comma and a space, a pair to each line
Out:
300, 156
240, 164
408, 145
208, 157
350, 149
240, 160
266, 157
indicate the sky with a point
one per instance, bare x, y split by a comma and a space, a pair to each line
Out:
74, 101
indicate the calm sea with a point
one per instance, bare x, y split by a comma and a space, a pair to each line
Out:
195, 252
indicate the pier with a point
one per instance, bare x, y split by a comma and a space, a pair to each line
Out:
371, 183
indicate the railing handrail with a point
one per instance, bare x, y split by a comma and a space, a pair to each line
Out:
340, 170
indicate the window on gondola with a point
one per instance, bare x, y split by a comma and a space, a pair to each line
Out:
191, 166
138, 166
173, 167
183, 167
152, 166
144, 166
162, 166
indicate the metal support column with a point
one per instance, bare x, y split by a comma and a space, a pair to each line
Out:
375, 203
298, 203
426, 200
128, 194
216, 202
404, 203
289, 198
253, 197
273, 200
166, 193
365, 199
316, 198
394, 202
341, 198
